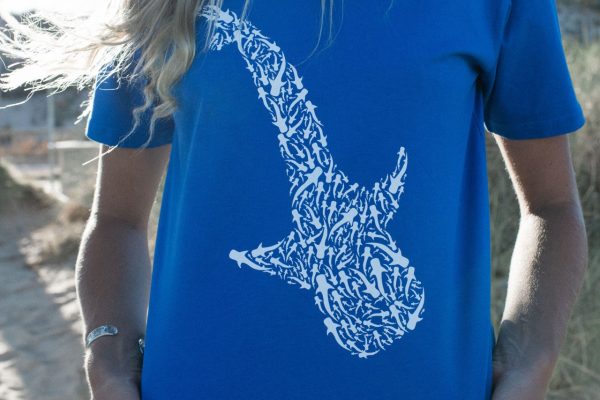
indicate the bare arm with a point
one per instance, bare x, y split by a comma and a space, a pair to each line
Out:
113, 267
547, 267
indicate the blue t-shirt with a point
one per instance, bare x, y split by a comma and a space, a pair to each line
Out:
324, 231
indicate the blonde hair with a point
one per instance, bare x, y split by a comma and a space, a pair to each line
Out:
55, 52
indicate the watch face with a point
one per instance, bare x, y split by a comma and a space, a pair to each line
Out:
141, 345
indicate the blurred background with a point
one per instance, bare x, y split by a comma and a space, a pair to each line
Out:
45, 194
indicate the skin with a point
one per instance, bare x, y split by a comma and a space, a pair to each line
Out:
113, 267
547, 266
546, 272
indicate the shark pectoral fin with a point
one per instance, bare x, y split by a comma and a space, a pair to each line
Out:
245, 258
415, 316
238, 256
276, 259
392, 184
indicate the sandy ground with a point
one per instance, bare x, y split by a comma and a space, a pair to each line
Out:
41, 354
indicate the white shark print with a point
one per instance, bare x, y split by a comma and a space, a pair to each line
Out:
339, 247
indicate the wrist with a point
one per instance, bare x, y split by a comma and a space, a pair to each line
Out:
113, 358
519, 361
515, 384
535, 374
116, 388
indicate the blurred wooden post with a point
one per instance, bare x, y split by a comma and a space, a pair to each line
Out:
51, 127
76, 180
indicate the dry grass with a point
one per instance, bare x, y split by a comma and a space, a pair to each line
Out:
577, 375
14, 193
57, 239
57, 242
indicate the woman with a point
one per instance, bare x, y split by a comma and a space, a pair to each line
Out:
300, 254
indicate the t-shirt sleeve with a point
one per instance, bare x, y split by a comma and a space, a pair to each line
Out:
111, 118
529, 92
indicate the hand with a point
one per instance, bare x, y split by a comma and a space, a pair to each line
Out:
519, 382
518, 385
113, 370
116, 388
